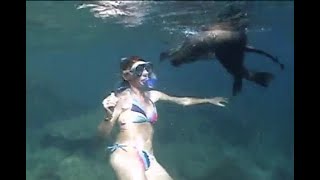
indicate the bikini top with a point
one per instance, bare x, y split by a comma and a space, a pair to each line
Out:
142, 116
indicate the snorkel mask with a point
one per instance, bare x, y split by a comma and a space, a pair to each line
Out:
138, 68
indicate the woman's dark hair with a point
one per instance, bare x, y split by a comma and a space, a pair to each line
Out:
125, 64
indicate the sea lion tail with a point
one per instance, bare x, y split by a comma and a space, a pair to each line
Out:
273, 58
261, 78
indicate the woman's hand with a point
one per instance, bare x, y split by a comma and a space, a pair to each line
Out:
219, 101
110, 102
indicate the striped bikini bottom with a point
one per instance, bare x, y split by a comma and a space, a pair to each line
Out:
144, 157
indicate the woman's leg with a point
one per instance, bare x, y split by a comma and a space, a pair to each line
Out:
156, 171
127, 165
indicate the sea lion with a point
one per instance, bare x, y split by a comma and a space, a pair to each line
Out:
226, 43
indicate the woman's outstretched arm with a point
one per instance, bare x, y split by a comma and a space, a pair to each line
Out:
186, 101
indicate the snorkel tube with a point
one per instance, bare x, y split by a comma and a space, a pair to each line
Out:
151, 82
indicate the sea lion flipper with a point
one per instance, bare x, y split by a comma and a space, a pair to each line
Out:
237, 85
261, 78
273, 58
164, 55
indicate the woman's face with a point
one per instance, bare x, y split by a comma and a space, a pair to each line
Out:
139, 76
140, 81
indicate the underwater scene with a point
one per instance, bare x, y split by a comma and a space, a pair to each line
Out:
222, 90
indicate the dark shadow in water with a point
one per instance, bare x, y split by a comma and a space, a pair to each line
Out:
282, 173
45, 104
48, 174
86, 146
228, 169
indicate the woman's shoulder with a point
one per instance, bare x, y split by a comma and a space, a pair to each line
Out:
125, 99
154, 95
123, 93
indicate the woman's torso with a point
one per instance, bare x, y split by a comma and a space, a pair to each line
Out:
136, 123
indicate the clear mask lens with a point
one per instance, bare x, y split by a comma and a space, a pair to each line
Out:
140, 68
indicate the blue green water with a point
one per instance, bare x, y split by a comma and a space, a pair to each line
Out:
72, 63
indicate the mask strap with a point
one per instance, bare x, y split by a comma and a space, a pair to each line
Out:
136, 64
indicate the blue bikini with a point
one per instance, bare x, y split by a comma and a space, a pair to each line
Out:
146, 118
142, 117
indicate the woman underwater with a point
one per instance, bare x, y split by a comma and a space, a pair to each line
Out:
134, 110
